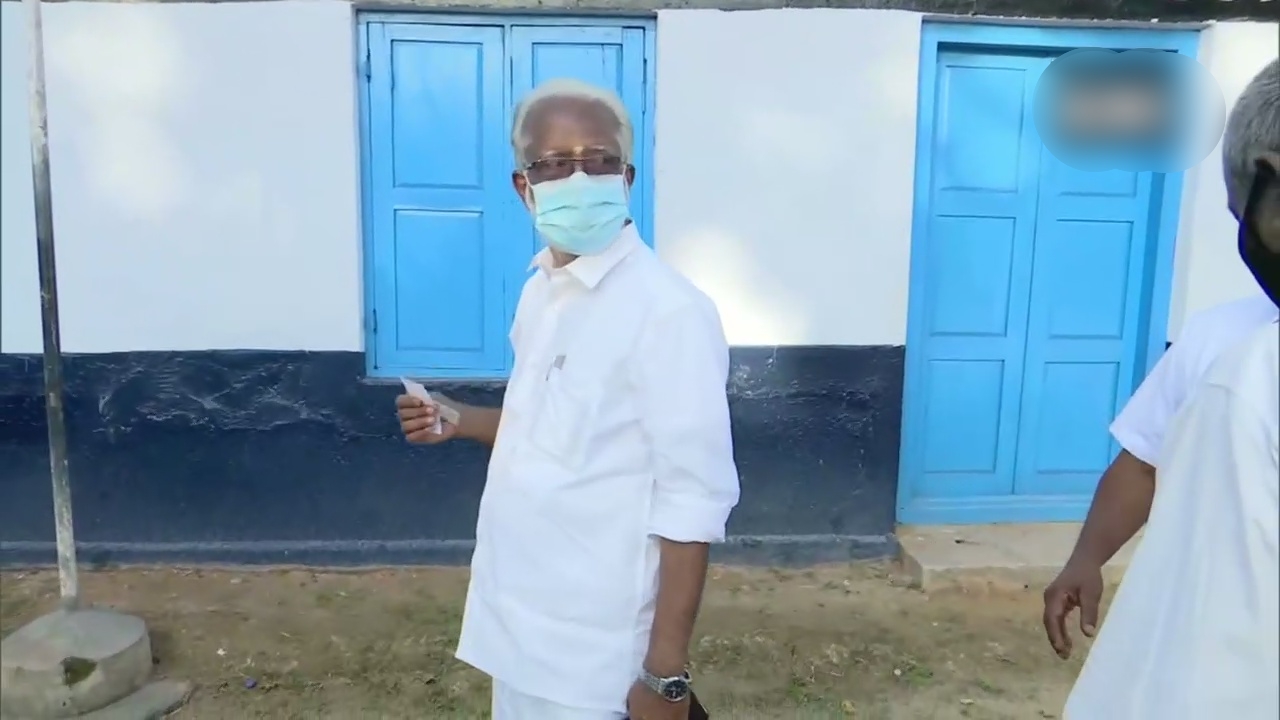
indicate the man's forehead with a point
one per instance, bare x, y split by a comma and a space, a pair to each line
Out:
559, 140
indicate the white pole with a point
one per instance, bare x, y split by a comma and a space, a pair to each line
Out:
68, 579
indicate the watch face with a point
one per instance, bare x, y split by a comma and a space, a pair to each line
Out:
676, 689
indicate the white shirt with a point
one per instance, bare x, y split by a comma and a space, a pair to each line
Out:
1140, 427
1192, 633
614, 432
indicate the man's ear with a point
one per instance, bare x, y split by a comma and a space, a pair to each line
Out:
630, 175
1272, 159
521, 185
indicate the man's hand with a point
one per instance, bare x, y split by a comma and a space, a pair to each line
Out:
1079, 585
417, 420
645, 704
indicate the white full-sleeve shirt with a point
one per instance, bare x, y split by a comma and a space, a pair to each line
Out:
1192, 633
1140, 427
614, 433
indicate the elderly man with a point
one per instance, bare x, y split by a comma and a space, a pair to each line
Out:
612, 465
1193, 633
1124, 495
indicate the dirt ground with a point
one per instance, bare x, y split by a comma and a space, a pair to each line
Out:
831, 642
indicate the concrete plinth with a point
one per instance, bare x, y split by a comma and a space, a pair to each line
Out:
151, 702
69, 663
1008, 557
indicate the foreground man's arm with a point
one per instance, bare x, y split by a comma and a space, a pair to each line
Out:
1121, 502
682, 373
682, 573
1119, 509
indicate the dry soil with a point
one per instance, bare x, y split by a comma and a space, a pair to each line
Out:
831, 642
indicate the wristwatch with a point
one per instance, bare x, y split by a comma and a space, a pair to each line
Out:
672, 689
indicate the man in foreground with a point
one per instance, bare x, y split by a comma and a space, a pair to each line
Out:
1124, 496
612, 465
1193, 633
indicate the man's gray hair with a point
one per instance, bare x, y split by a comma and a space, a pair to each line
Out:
556, 91
1253, 128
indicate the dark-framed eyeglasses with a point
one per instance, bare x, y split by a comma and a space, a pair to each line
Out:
559, 167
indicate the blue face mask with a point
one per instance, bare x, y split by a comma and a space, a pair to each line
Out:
581, 214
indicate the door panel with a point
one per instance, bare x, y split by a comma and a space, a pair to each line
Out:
964, 418
1084, 328
436, 104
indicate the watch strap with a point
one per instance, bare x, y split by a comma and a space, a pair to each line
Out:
659, 684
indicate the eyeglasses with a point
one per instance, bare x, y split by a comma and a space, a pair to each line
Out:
559, 168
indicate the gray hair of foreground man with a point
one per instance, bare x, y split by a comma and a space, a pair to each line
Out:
590, 103
1253, 130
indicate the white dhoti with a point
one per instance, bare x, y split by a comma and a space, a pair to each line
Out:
510, 704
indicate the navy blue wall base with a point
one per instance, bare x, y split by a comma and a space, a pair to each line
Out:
775, 550
290, 457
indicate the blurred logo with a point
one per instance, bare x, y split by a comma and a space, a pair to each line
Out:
1135, 110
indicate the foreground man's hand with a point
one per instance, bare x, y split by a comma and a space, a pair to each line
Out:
417, 419
645, 704
1079, 585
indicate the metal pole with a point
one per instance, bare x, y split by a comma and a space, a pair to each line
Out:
68, 579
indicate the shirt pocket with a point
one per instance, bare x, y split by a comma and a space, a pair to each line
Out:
562, 427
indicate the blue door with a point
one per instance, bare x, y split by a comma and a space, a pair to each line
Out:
447, 242
1030, 296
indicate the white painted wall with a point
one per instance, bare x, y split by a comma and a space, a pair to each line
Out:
1207, 265
205, 176
784, 166
205, 164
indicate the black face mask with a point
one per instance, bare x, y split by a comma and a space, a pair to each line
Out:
1261, 261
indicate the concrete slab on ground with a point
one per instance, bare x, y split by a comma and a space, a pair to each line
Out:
154, 701
974, 556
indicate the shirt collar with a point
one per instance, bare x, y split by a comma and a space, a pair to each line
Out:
591, 269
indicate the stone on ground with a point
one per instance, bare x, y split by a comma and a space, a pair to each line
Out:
69, 663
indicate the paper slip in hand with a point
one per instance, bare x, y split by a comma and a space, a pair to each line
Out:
446, 413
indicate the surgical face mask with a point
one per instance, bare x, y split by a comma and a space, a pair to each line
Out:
1261, 260
581, 214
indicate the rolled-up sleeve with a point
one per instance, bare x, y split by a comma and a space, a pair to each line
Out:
682, 371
